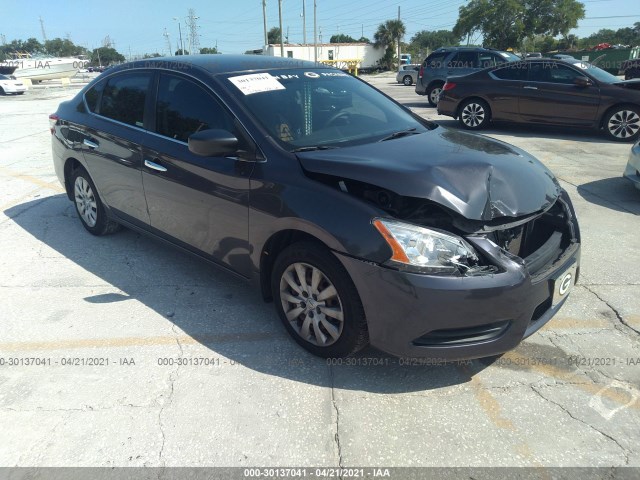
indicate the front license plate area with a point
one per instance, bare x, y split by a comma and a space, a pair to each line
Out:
563, 284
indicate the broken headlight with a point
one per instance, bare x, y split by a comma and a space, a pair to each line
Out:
426, 250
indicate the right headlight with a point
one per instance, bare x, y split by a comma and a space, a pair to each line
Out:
425, 250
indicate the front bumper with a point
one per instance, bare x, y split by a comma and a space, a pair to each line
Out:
455, 318
13, 88
632, 171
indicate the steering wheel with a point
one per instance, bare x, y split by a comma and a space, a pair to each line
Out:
336, 116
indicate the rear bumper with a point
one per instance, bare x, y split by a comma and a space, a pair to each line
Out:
447, 105
454, 318
632, 171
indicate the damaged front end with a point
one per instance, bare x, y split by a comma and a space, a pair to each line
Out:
428, 238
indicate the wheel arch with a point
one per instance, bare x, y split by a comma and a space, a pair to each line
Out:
70, 166
275, 244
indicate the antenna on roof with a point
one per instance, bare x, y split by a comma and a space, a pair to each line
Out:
44, 34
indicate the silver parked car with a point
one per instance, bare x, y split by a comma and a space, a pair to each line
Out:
632, 172
407, 74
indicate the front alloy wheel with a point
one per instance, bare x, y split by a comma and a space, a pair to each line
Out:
623, 124
312, 304
317, 301
407, 80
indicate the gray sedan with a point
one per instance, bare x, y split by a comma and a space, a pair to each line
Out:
407, 74
632, 172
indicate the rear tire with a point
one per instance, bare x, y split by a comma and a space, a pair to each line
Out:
474, 114
89, 206
622, 123
433, 92
407, 80
318, 302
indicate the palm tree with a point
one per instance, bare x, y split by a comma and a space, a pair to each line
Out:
386, 37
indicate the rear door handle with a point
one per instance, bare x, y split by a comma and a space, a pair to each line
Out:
154, 166
530, 87
90, 144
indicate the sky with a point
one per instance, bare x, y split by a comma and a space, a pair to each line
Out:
137, 26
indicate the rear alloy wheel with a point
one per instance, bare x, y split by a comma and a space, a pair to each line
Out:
317, 301
407, 80
433, 94
89, 206
474, 114
623, 124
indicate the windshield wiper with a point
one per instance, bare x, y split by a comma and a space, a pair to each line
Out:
403, 133
313, 148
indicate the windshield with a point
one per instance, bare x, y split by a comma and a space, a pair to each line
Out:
320, 108
510, 57
597, 72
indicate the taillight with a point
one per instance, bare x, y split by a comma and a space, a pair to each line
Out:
421, 72
448, 86
53, 119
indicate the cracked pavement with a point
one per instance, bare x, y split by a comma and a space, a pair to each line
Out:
129, 353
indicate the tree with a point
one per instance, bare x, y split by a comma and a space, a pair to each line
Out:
31, 46
385, 37
151, 55
506, 23
342, 38
106, 56
182, 52
427, 40
274, 35
59, 47
207, 50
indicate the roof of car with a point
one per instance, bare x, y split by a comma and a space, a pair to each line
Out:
216, 64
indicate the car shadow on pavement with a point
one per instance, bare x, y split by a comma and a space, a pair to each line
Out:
210, 307
615, 193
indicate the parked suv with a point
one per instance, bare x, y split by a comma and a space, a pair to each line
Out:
449, 61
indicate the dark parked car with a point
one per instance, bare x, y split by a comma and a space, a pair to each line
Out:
631, 69
444, 62
550, 92
363, 222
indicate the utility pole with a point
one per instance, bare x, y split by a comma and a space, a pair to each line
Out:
44, 34
180, 34
315, 31
399, 61
3, 39
281, 33
304, 22
264, 19
194, 42
166, 35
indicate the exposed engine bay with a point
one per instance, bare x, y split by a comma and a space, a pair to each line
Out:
538, 239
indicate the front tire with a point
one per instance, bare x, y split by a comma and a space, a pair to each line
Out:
622, 124
89, 206
433, 93
474, 114
317, 301
407, 80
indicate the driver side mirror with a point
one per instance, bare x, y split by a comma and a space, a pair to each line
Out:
582, 82
213, 143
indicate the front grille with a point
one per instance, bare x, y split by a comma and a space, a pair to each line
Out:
463, 336
541, 241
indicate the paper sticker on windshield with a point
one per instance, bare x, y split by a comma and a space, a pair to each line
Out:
256, 83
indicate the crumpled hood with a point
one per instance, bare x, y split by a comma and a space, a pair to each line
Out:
477, 177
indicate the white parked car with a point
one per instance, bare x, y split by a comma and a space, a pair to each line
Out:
632, 172
407, 74
11, 85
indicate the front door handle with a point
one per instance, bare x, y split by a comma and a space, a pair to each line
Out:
154, 166
530, 87
90, 144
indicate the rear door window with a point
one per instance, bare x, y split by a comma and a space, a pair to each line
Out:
124, 98
464, 60
435, 60
515, 71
